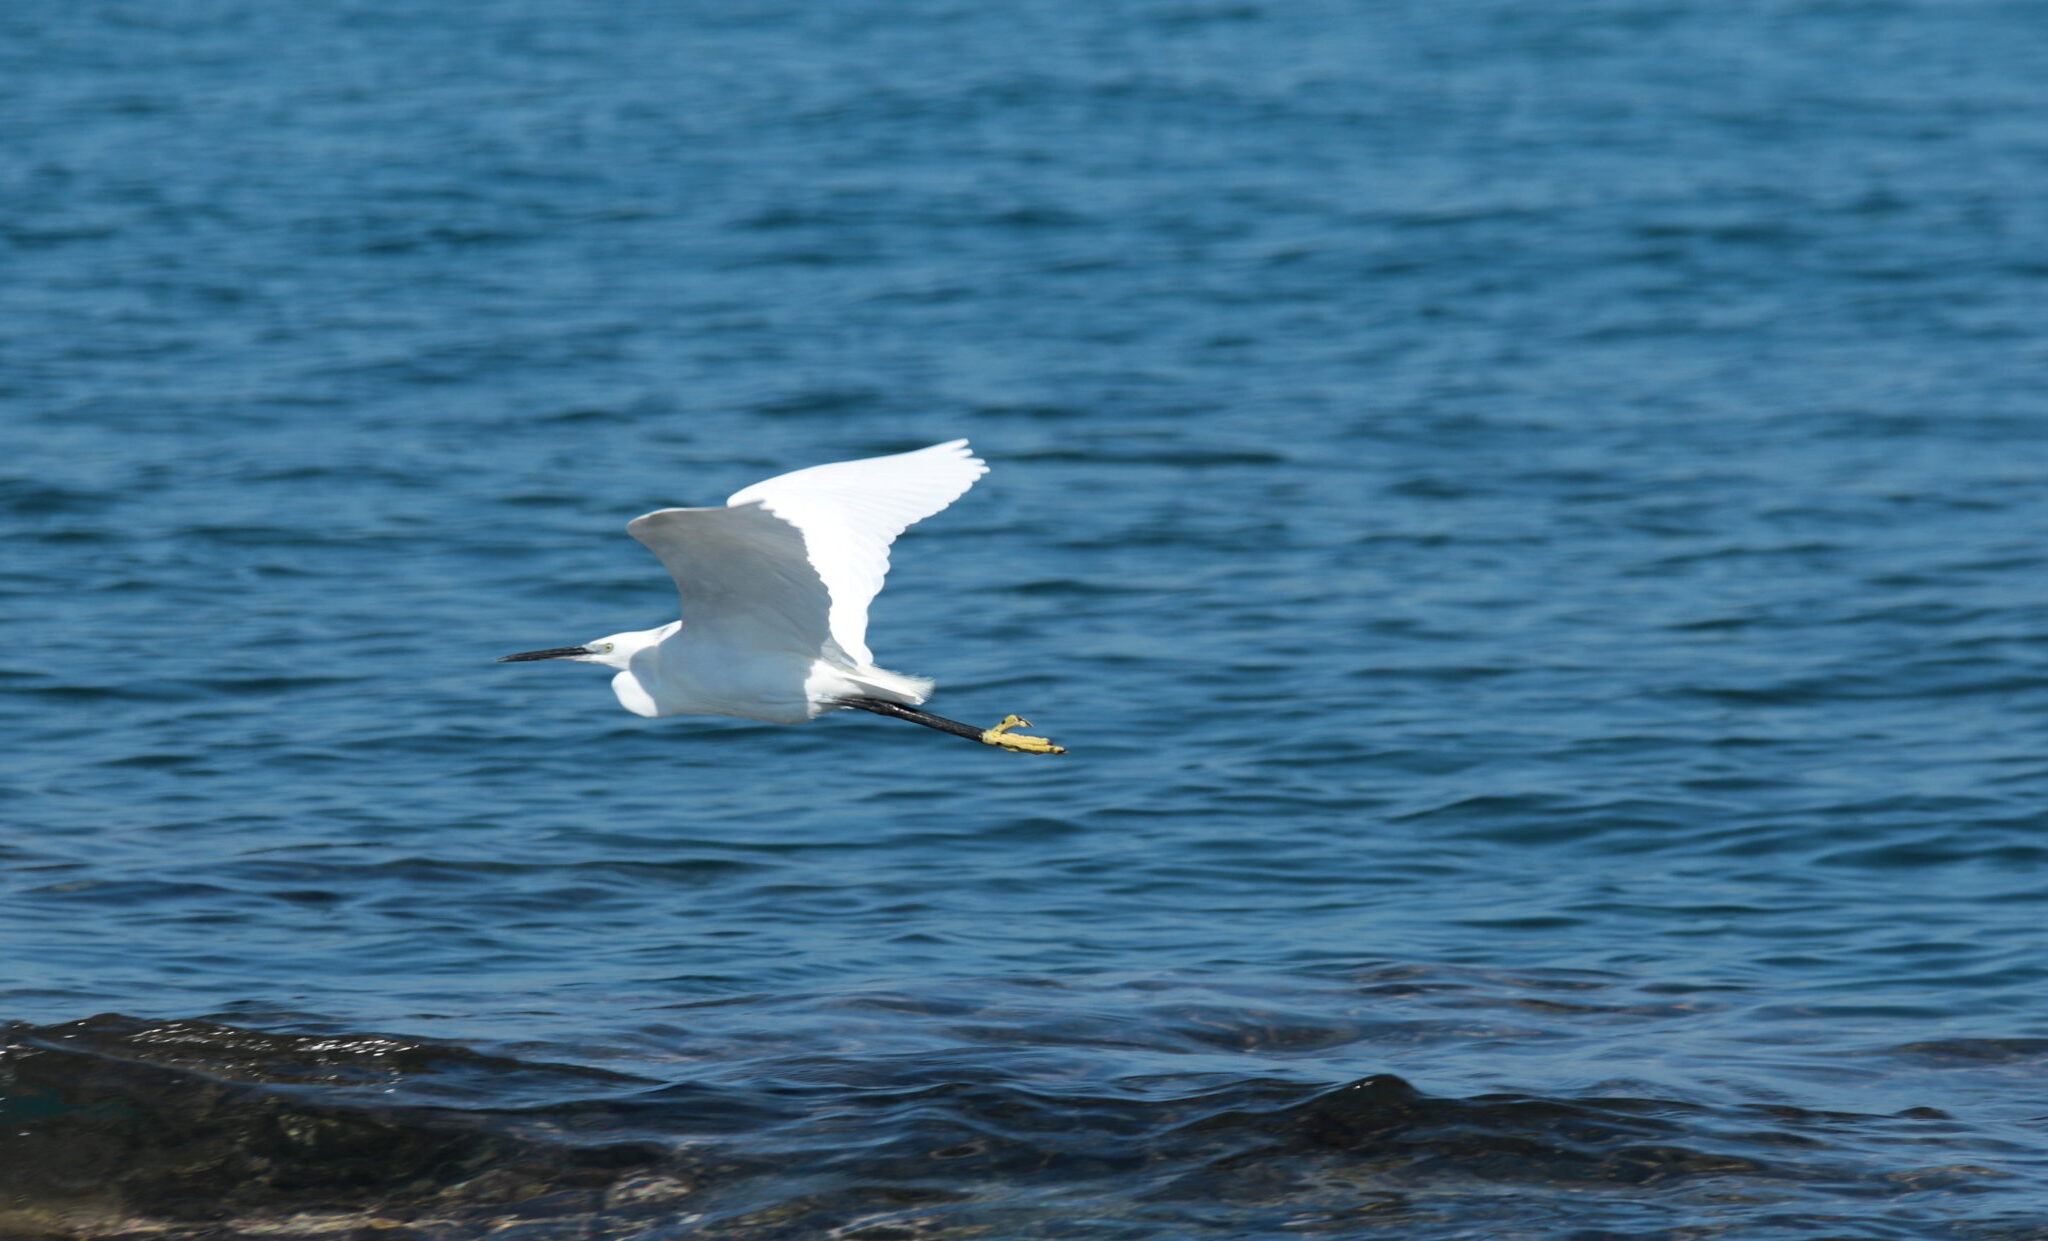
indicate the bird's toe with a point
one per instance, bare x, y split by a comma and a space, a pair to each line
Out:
1001, 737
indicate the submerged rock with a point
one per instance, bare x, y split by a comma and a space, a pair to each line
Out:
113, 1124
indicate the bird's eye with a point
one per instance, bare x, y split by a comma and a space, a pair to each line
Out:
606, 647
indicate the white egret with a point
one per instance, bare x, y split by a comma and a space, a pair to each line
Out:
775, 589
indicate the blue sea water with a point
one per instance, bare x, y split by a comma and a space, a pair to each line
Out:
1529, 519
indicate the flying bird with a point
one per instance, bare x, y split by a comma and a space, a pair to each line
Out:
775, 589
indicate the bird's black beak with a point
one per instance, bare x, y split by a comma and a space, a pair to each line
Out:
558, 652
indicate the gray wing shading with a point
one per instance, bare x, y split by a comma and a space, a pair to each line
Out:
744, 576
849, 513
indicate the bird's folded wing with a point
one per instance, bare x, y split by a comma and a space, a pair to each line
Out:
849, 513
744, 576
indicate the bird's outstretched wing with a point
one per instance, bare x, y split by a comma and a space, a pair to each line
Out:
851, 511
798, 558
743, 575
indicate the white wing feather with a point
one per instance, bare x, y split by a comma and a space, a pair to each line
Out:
795, 560
851, 511
745, 581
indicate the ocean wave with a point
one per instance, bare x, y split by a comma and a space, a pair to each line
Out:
119, 1126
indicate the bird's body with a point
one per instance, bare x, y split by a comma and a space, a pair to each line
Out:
775, 590
702, 676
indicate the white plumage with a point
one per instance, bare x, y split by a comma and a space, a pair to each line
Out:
845, 515
776, 585
775, 589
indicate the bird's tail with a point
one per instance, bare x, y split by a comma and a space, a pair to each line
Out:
892, 686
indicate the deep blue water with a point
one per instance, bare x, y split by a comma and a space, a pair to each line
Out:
1528, 517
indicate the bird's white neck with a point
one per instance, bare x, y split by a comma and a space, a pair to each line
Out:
618, 650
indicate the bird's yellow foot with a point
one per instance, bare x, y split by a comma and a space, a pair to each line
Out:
1001, 736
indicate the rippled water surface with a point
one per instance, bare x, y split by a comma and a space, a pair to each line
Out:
1528, 517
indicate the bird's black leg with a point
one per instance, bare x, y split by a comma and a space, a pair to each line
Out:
882, 706
999, 736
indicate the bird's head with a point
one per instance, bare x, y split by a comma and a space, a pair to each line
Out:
615, 651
